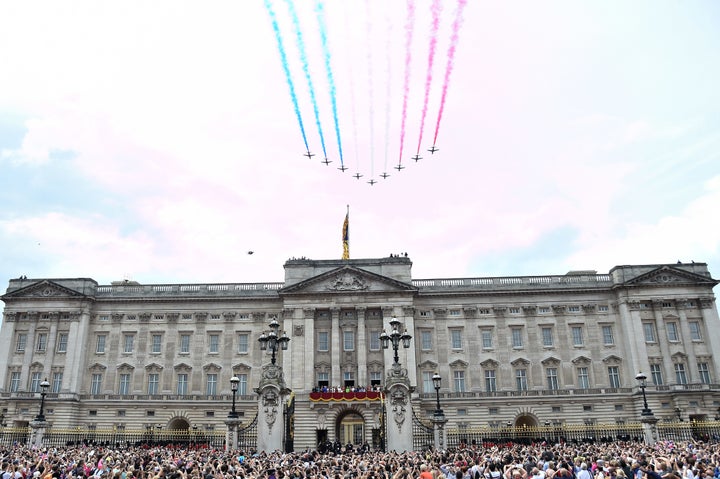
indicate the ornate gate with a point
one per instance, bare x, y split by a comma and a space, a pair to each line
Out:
247, 436
423, 434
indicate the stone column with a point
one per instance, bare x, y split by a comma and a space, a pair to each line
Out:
309, 374
408, 320
362, 347
662, 340
649, 429
37, 433
271, 393
692, 369
712, 331
398, 410
231, 434
440, 433
335, 377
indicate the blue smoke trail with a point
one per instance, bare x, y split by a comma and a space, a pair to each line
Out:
288, 77
306, 69
319, 9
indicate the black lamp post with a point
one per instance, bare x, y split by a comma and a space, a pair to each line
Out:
642, 381
395, 337
717, 415
43, 392
234, 382
436, 383
272, 341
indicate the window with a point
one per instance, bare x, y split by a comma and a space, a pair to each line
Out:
656, 374
456, 338
157, 343
695, 334
521, 379
454, 312
62, 343
128, 343
211, 387
487, 342
547, 337
349, 340
667, 304
214, 343
374, 340
614, 376
35, 381
649, 331
242, 385
552, 379
96, 384
348, 378
490, 381
375, 378
680, 376
15, 382
583, 378
543, 309
243, 343
608, 339
573, 309
426, 340
704, 373
672, 332
21, 342
459, 381
100, 344
41, 342
517, 341
577, 335
427, 382
323, 379
124, 388
153, 382
514, 310
182, 384
323, 341
57, 382
603, 308
184, 343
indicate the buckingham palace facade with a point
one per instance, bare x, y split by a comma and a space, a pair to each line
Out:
526, 351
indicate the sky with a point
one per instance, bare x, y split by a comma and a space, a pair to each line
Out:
159, 141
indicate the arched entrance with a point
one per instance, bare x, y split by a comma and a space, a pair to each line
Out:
526, 421
525, 428
350, 428
178, 424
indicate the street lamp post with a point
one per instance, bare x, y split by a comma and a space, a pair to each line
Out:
272, 341
234, 382
43, 392
395, 337
642, 381
436, 384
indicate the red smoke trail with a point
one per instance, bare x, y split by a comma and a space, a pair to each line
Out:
431, 58
450, 62
409, 22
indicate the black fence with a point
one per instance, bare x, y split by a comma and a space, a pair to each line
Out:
581, 433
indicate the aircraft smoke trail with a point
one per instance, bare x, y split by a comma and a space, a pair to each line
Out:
320, 10
286, 68
388, 66
457, 23
353, 113
435, 9
371, 105
409, 22
306, 69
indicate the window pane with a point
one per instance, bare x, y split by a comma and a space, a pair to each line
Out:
62, 343
547, 335
487, 339
656, 374
128, 343
695, 334
577, 335
157, 343
583, 379
243, 343
242, 385
427, 382
323, 343
15, 382
672, 332
211, 389
521, 379
96, 384
182, 384
349, 340
456, 338
214, 343
124, 384
459, 380
426, 340
100, 344
490, 382
153, 380
704, 372
374, 340
41, 342
680, 377
184, 344
649, 331
608, 338
517, 338
21, 342
614, 376
552, 378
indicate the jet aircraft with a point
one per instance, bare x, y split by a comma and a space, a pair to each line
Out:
326, 161
432, 150
384, 175
308, 154
399, 167
416, 158
372, 182
343, 168
357, 176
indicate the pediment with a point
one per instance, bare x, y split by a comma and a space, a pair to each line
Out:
125, 366
581, 360
153, 366
612, 359
182, 367
428, 365
670, 276
43, 289
212, 367
241, 367
550, 361
97, 367
489, 364
459, 364
347, 279
520, 362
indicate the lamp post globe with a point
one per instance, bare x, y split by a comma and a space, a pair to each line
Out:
642, 382
234, 383
44, 385
395, 338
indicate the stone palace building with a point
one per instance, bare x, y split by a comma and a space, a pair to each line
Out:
520, 351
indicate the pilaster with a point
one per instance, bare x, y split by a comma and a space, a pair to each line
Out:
335, 376
361, 347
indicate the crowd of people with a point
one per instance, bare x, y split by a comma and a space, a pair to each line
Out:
619, 460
